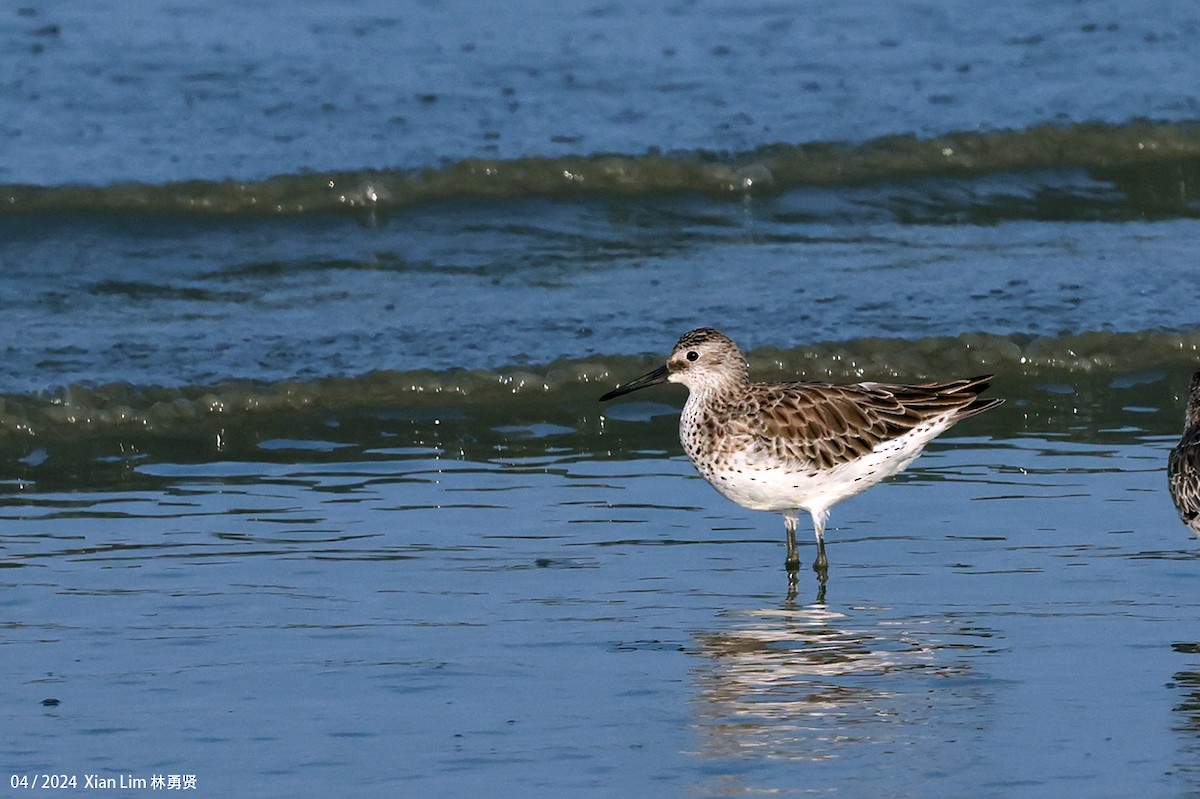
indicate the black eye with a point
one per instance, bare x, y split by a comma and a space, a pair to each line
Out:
692, 355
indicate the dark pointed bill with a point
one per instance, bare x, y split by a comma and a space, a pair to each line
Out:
659, 375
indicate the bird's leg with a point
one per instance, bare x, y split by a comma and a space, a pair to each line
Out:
821, 564
792, 564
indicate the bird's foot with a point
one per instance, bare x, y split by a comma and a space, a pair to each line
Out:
821, 564
821, 567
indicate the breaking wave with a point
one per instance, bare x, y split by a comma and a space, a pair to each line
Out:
1137, 169
564, 391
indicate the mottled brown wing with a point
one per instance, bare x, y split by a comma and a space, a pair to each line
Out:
822, 425
1183, 475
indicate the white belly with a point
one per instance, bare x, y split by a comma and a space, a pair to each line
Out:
755, 482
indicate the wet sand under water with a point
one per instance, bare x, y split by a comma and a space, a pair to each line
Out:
1014, 616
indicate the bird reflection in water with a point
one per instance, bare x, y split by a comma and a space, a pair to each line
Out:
806, 683
1187, 724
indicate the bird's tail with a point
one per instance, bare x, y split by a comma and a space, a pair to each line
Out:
969, 387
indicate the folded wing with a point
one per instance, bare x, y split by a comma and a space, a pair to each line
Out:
821, 425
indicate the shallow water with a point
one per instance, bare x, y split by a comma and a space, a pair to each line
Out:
307, 611
184, 303
304, 311
108, 92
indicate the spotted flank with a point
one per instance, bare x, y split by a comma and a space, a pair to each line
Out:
787, 447
1183, 465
